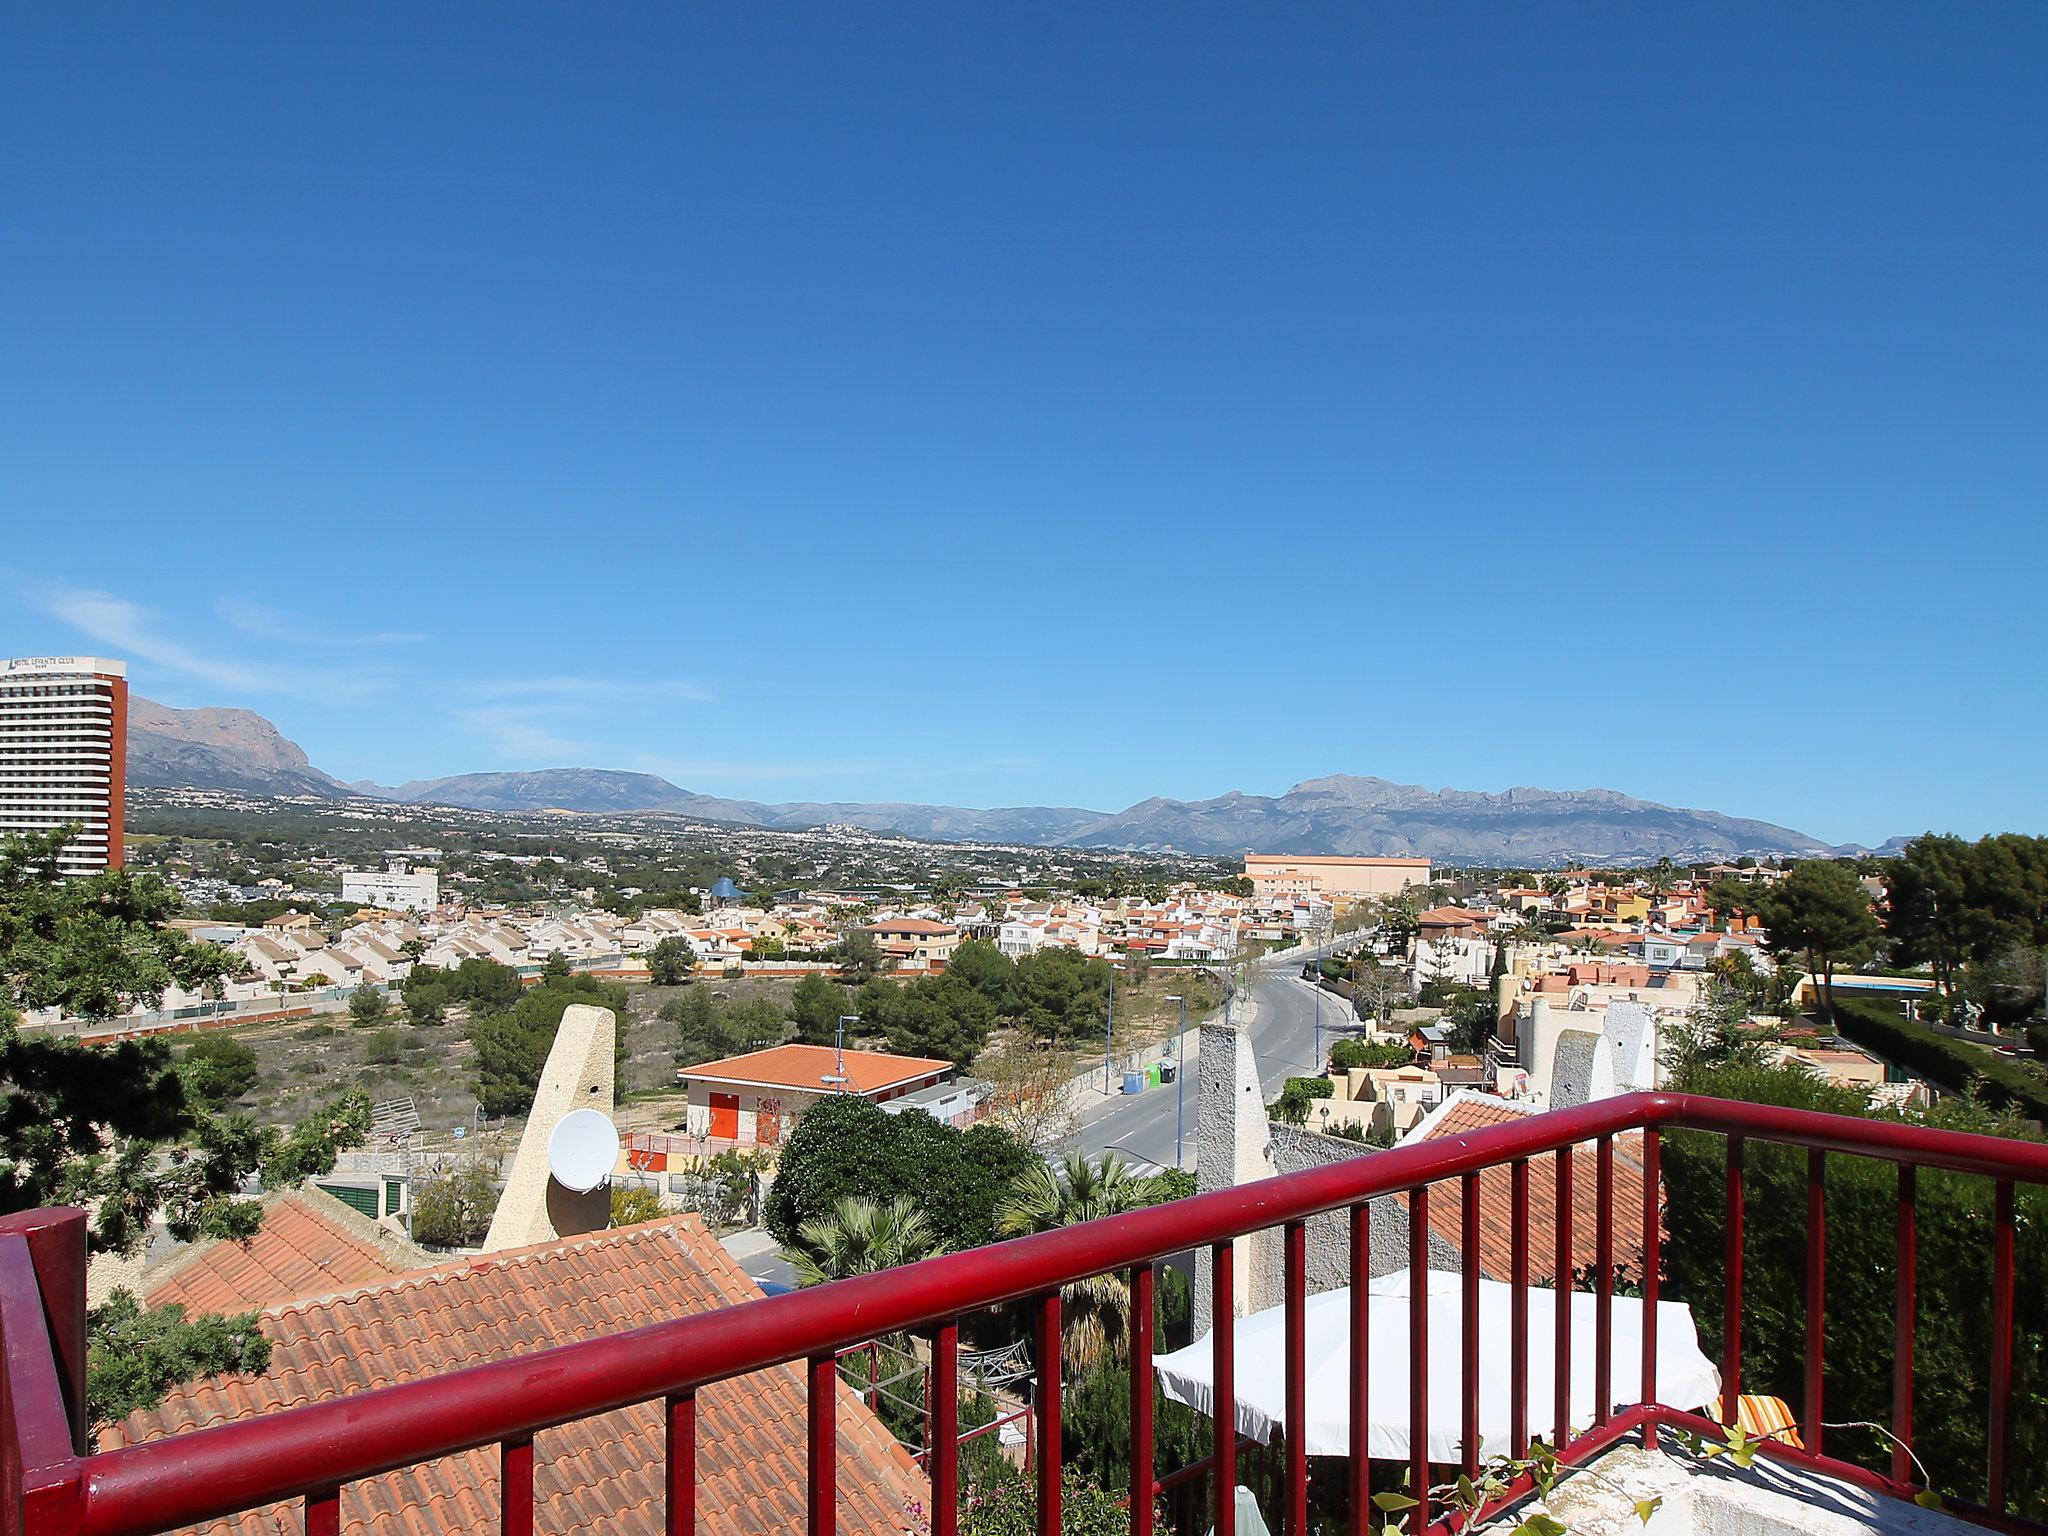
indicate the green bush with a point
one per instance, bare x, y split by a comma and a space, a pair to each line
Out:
380, 1047
1291, 1108
1009, 1507
1955, 1065
1346, 1054
455, 1210
217, 1070
1952, 1380
844, 1146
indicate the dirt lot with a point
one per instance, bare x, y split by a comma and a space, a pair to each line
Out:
302, 1062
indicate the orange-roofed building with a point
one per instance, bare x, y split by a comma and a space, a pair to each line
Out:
1468, 1111
601, 1474
309, 1244
756, 1099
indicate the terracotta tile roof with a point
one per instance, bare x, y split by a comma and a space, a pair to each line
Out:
1496, 1209
309, 1244
603, 1474
807, 1066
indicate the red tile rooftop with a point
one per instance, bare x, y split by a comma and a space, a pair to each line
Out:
309, 1244
807, 1066
602, 1474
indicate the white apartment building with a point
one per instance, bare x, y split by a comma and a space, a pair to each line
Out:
64, 754
396, 889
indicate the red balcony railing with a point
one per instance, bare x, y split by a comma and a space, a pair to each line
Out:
50, 1483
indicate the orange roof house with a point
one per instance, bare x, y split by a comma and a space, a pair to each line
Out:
1465, 1112
309, 1243
805, 1068
601, 1474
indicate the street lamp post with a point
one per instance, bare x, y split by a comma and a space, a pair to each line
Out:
838, 1078
1180, 1076
1109, 1037
1320, 930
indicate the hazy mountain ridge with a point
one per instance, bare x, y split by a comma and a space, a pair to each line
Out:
1336, 813
218, 749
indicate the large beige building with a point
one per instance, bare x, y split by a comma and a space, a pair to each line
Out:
64, 754
1334, 877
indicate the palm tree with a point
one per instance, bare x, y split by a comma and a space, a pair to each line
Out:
860, 1237
1096, 1310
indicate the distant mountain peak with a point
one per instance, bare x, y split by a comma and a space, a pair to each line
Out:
1332, 813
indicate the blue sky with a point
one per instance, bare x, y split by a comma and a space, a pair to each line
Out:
1033, 404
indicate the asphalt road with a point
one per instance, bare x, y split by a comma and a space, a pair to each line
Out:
1143, 1126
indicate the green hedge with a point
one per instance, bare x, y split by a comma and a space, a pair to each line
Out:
1952, 1372
1947, 1063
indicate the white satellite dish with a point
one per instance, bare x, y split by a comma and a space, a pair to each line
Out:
583, 1150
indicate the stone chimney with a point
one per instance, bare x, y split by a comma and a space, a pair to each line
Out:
578, 1075
1231, 1137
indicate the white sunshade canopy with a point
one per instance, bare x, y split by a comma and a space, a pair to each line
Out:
1685, 1377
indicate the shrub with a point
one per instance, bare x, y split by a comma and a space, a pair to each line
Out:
1009, 1507
846, 1146
1346, 1054
217, 1070
1952, 1373
1952, 1064
454, 1210
633, 1202
366, 1004
1291, 1108
380, 1047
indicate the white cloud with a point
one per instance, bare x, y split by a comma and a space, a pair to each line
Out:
134, 632
573, 688
523, 734
280, 624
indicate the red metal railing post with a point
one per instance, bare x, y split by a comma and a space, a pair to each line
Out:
1468, 1332
943, 1463
1907, 1307
1816, 1292
1561, 1393
1418, 1354
1653, 1264
821, 1516
1046, 1343
680, 1479
1223, 1371
1295, 1243
1603, 1290
1518, 1278
56, 1240
515, 1476
1731, 1297
1144, 1475
1360, 1466
323, 1513
2001, 1342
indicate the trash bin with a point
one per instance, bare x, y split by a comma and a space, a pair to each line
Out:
1168, 1072
1134, 1082
1152, 1075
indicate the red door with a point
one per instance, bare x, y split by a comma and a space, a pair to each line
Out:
725, 1115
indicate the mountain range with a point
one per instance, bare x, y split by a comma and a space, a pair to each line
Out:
236, 749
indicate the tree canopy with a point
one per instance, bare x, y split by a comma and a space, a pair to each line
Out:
1821, 912
845, 1146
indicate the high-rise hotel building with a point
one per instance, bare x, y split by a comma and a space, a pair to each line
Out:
64, 754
